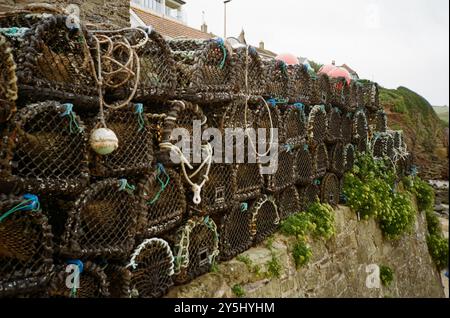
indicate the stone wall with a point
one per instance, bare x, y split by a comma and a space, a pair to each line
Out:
337, 268
115, 12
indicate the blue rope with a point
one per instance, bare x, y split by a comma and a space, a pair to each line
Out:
289, 148
221, 44
305, 147
72, 118
139, 110
14, 31
244, 206
30, 203
125, 186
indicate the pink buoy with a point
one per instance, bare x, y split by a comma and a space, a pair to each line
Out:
289, 59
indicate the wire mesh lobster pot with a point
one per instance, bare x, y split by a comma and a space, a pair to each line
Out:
103, 221
152, 269
381, 121
288, 202
383, 145
349, 155
340, 93
285, 174
356, 96
300, 83
249, 181
277, 79
135, 153
337, 159
334, 127
203, 66
399, 144
321, 160
265, 218
45, 150
8, 81
119, 278
196, 246
250, 76
93, 283
293, 124
321, 90
370, 96
361, 130
53, 61
309, 194
268, 121
164, 200
317, 125
26, 246
330, 189
234, 230
304, 165
347, 127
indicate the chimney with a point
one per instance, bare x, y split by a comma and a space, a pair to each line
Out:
261, 45
333, 62
204, 28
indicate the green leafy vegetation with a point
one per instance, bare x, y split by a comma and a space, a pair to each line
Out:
424, 194
386, 275
438, 248
443, 113
274, 267
255, 269
238, 291
301, 253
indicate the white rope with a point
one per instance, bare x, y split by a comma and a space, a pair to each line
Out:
134, 265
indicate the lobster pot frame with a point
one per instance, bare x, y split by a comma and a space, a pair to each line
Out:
8, 81
249, 181
334, 127
321, 91
119, 278
320, 159
340, 93
53, 61
337, 159
317, 125
293, 122
399, 143
304, 165
196, 248
277, 79
249, 62
152, 269
164, 200
93, 283
356, 95
135, 153
234, 232
265, 218
360, 125
26, 247
349, 157
103, 221
285, 174
330, 189
381, 121
347, 127
370, 96
300, 84
288, 202
383, 145
309, 194
45, 150
262, 117
203, 66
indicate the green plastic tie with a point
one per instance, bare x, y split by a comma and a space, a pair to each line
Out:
73, 122
139, 110
162, 183
125, 186
30, 203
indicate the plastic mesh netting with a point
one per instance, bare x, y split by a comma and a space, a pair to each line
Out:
293, 124
300, 89
399, 144
320, 159
383, 145
285, 174
304, 164
265, 218
249, 181
349, 157
340, 93
119, 278
317, 125
330, 189
45, 150
356, 100
321, 92
8, 81
337, 159
334, 127
381, 121
370, 96
347, 127
309, 194
361, 130
249, 63
277, 79
288, 202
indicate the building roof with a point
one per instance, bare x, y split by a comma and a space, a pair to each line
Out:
168, 27
349, 69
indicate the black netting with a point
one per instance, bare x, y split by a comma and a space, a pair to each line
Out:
8, 81
45, 150
381, 121
399, 143
262, 117
300, 84
277, 79
303, 164
119, 279
309, 194
320, 159
293, 124
288, 202
347, 127
370, 93
340, 93
103, 221
249, 62
26, 246
285, 174
152, 267
249, 181
164, 197
235, 231
383, 145
337, 159
330, 189
349, 157
321, 92
360, 130
265, 218
334, 128
317, 125
93, 283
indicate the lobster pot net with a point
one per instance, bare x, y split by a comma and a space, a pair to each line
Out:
317, 125
249, 181
321, 92
356, 95
265, 218
304, 165
370, 93
8, 81
309, 194
266, 120
54, 61
93, 283
26, 246
399, 144
45, 150
152, 269
288, 202
235, 232
165, 201
360, 125
119, 279
337, 159
347, 127
196, 248
103, 221
320, 158
349, 157
250, 77
381, 121
383, 145
300, 84
203, 66
362, 144
293, 120
340, 93
330, 189
285, 174
134, 155
277, 79
334, 128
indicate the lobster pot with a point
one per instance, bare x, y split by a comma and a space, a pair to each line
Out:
45, 150
356, 96
349, 155
370, 96
309, 194
381, 121
203, 66
330, 189
284, 176
320, 159
93, 283
8, 81
234, 231
347, 127
317, 125
134, 156
288, 202
300, 84
337, 159
103, 221
334, 128
277, 79
119, 278
164, 200
383, 146
304, 165
196, 246
399, 144
293, 124
340, 93
249, 181
266, 120
152, 269
53, 61
321, 90
250, 66
265, 218
360, 130
26, 247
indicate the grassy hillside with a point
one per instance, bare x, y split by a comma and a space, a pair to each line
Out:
423, 128
442, 112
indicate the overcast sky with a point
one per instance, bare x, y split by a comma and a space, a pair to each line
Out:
395, 43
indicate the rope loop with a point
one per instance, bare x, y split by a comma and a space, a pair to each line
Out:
125, 186
163, 184
73, 122
30, 203
139, 111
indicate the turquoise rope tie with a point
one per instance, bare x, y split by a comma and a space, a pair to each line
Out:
317, 182
73, 122
14, 31
289, 148
125, 186
305, 147
244, 206
163, 184
139, 110
275, 101
30, 203
221, 44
